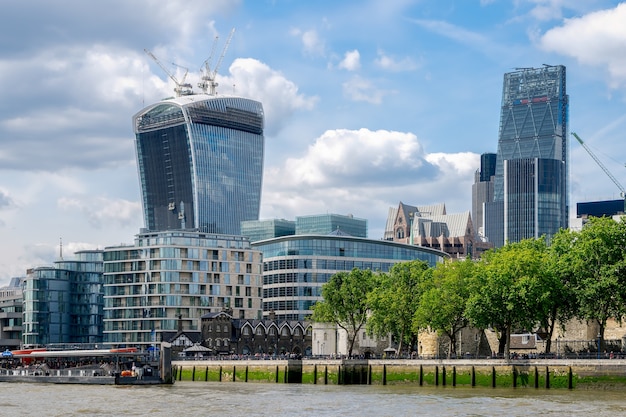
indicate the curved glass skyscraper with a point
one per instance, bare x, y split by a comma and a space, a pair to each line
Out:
200, 161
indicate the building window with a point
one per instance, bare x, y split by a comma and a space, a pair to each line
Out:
272, 331
246, 331
225, 328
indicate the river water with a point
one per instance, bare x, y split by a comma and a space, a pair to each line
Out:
260, 399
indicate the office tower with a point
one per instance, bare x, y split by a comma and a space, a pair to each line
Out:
531, 179
200, 161
257, 230
482, 191
296, 267
324, 224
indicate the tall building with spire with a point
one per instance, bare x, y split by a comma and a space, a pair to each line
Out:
531, 177
200, 161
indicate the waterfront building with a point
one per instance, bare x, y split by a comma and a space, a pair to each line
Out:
224, 334
266, 229
200, 161
324, 224
167, 280
64, 303
531, 178
432, 227
295, 267
11, 306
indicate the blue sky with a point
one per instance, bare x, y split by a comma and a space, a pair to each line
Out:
367, 103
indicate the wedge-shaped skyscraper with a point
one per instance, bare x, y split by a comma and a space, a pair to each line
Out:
200, 161
531, 178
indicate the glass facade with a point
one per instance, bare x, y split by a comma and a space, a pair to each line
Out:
170, 279
200, 161
324, 224
533, 129
257, 230
64, 303
296, 267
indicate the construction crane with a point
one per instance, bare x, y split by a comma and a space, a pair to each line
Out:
181, 88
208, 76
601, 165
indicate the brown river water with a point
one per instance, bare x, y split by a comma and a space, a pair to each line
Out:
261, 399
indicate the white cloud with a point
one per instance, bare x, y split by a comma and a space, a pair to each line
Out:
312, 45
351, 61
280, 97
390, 63
101, 211
361, 89
363, 172
596, 39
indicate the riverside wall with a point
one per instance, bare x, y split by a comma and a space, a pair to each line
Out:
543, 373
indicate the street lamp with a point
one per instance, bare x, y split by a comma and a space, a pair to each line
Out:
599, 335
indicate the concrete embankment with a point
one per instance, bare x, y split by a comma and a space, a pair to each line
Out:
546, 374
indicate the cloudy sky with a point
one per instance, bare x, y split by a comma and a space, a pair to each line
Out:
367, 102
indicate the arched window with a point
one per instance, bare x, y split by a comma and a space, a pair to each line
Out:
400, 233
272, 331
296, 332
259, 331
246, 331
285, 331
218, 343
226, 342
225, 328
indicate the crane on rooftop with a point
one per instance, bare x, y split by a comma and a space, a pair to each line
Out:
181, 88
601, 165
208, 75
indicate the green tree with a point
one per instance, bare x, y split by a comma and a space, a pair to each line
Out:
442, 306
508, 289
595, 260
345, 302
394, 300
561, 305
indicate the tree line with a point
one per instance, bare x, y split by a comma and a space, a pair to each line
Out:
530, 285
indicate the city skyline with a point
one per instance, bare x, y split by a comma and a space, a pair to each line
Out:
366, 103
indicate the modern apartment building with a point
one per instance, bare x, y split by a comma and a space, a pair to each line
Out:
531, 178
168, 280
11, 305
200, 160
64, 303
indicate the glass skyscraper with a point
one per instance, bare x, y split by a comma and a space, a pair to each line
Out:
531, 178
200, 161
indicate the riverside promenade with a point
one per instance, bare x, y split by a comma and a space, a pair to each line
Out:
495, 373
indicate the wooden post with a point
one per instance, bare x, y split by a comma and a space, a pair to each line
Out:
536, 377
385, 374
206, 374
315, 374
193, 373
436, 375
325, 374
421, 375
276, 374
234, 373
246, 373
473, 377
514, 374
454, 376
369, 375
220, 373
547, 378
493, 377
